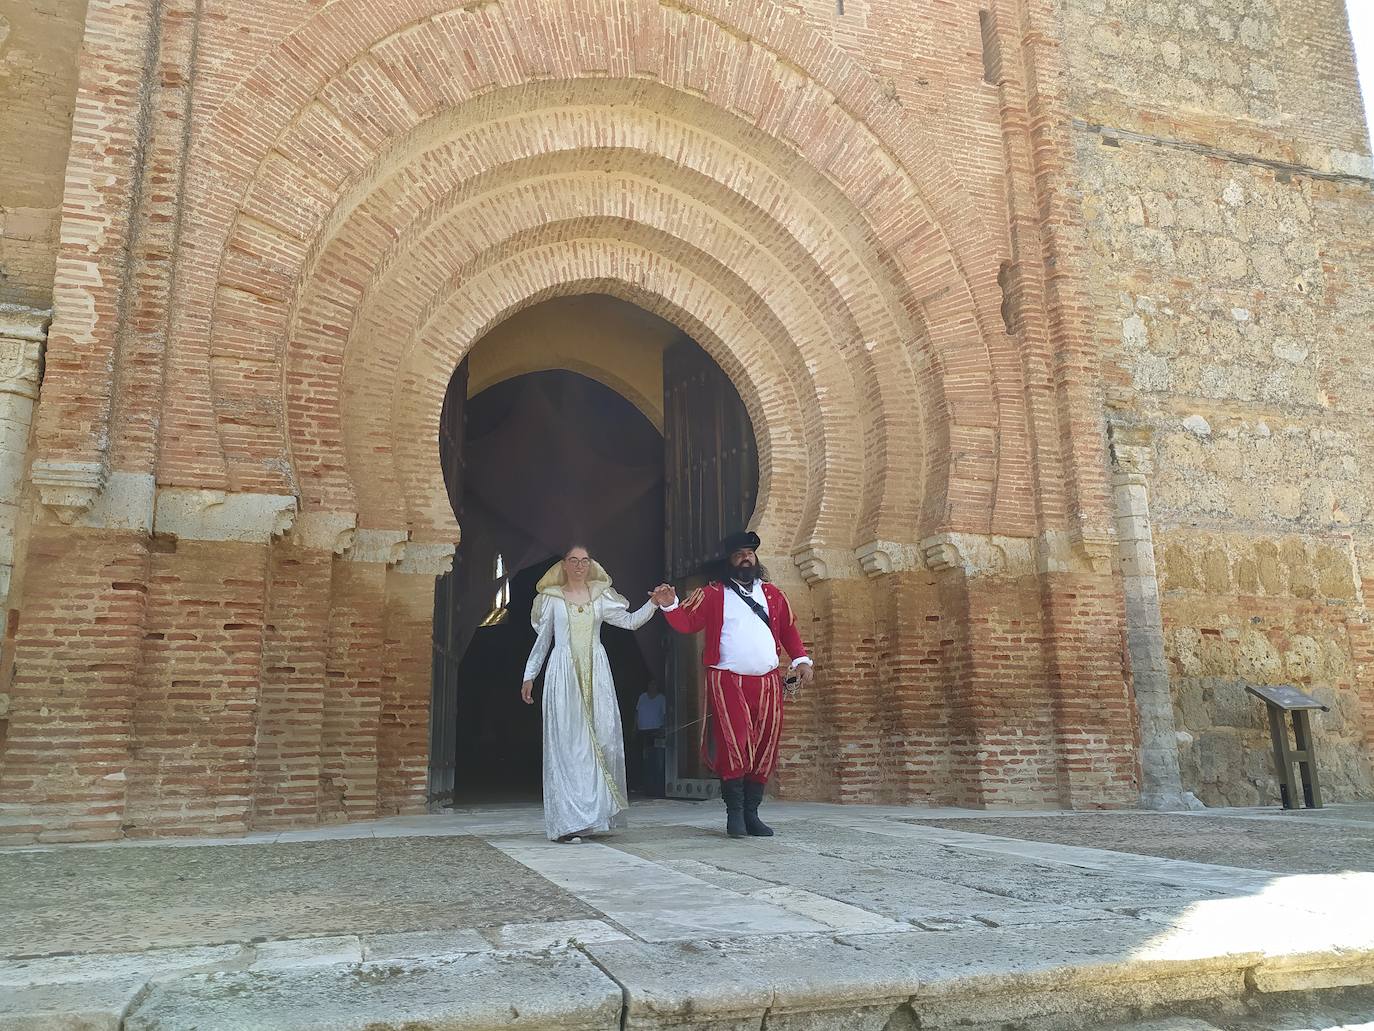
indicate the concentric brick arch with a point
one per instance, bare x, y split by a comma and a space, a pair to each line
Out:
455, 174
768, 339
523, 211
354, 81
780, 394
570, 267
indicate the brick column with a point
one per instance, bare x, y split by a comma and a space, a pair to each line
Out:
192, 769
91, 289
195, 709
914, 713
354, 669
832, 747
846, 654
1003, 747
1094, 724
403, 734
913, 671
295, 642
1132, 464
76, 657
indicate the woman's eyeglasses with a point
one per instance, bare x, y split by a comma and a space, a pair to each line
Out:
578, 561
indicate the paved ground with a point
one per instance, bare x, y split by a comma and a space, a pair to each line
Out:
852, 918
1329, 840
111, 899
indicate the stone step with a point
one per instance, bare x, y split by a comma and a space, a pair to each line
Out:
1051, 978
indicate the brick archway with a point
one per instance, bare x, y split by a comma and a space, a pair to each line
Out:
374, 188
296, 178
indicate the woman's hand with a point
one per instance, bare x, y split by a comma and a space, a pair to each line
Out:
527, 692
663, 595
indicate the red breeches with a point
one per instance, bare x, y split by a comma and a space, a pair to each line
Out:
746, 724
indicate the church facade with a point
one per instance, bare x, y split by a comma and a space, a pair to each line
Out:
1052, 320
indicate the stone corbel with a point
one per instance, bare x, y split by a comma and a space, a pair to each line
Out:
941, 553
813, 567
68, 489
1054, 552
979, 555
325, 531
425, 559
817, 564
877, 557
215, 515
386, 547
1095, 550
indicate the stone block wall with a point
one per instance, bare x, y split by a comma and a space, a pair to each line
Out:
39, 42
1228, 203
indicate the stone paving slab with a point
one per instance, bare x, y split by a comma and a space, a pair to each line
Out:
654, 903
93, 1006
562, 990
943, 979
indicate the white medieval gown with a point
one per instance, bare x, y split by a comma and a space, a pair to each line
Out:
584, 750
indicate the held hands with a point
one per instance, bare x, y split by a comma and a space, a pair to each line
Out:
665, 595
527, 692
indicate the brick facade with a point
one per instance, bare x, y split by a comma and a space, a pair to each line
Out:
909, 234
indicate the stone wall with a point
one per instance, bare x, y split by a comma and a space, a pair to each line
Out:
38, 68
1227, 197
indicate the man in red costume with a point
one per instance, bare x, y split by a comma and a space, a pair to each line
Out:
747, 622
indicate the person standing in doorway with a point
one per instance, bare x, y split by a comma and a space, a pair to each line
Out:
584, 748
748, 622
651, 715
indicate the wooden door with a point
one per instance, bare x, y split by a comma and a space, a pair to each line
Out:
712, 478
448, 590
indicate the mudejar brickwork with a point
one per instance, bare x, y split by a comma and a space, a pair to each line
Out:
1052, 318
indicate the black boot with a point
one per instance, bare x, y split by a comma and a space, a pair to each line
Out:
753, 795
732, 794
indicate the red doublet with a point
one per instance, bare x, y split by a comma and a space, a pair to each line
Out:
745, 712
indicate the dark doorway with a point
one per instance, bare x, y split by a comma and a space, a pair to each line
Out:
549, 459
535, 463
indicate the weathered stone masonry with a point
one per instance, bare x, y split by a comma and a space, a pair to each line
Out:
938, 247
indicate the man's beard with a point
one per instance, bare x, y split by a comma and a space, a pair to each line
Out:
748, 574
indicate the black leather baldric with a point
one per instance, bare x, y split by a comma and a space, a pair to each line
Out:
759, 610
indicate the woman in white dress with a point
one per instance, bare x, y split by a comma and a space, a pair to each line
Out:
584, 749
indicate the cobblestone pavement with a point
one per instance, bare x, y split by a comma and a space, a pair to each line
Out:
115, 899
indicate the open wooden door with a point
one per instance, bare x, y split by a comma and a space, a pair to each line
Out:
449, 637
712, 473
